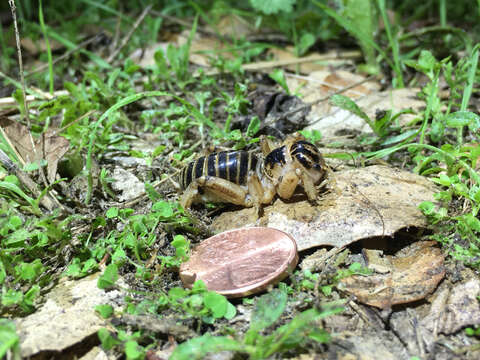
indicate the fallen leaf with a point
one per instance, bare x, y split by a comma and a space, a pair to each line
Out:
234, 26
414, 273
454, 311
364, 202
39, 45
66, 318
48, 145
127, 184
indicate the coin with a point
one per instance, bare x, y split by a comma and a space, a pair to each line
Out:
241, 262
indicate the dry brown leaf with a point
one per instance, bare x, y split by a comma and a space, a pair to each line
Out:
414, 273
451, 312
39, 46
234, 26
66, 317
363, 203
48, 146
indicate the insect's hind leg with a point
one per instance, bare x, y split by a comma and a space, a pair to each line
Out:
217, 190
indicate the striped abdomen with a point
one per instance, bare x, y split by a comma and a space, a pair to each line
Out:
229, 165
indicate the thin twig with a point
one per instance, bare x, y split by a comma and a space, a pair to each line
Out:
130, 33
58, 131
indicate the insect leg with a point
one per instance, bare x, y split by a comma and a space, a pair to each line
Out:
224, 190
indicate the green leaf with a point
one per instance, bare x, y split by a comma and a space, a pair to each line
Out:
426, 63
306, 41
320, 335
105, 310
268, 309
153, 195
253, 126
216, 303
29, 298
181, 246
279, 76
29, 271
273, 6
164, 209
112, 213
463, 118
132, 350
348, 104
109, 277
10, 186
3, 273
8, 338
11, 297
198, 348
231, 311
312, 135
107, 340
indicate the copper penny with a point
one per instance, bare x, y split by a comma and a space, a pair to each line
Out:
241, 262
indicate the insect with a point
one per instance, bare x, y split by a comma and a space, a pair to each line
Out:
242, 178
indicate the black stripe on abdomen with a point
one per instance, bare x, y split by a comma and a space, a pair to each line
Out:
211, 168
188, 177
199, 167
231, 164
243, 167
222, 165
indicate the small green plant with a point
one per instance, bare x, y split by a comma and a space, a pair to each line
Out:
199, 303
279, 77
9, 340
384, 126
294, 334
27, 243
128, 341
172, 66
132, 244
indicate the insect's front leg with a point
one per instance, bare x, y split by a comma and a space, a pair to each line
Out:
260, 192
287, 184
308, 185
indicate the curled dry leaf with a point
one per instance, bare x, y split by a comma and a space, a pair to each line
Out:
362, 203
414, 273
48, 146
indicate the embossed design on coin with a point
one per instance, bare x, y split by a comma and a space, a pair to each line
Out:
241, 262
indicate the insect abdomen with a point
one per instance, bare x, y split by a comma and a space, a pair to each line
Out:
229, 165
